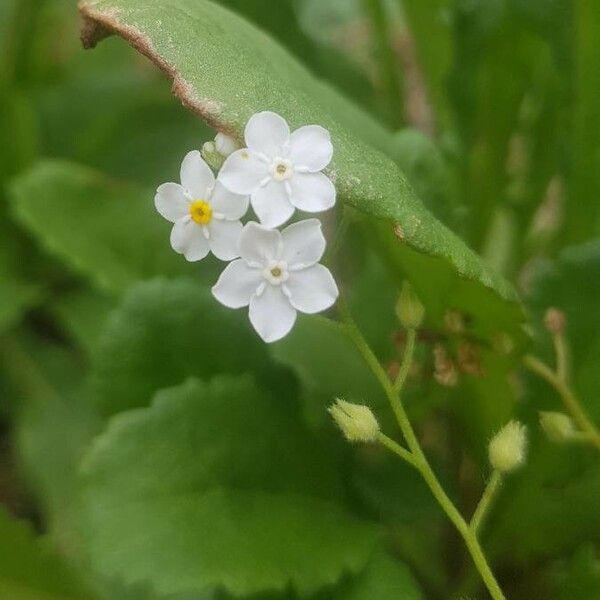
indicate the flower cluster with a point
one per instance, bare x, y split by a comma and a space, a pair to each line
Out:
275, 273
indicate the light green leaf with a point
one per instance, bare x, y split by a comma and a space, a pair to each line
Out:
166, 331
83, 313
218, 485
382, 579
28, 571
225, 70
106, 230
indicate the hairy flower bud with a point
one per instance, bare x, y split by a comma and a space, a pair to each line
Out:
212, 156
555, 321
409, 310
508, 447
357, 422
557, 426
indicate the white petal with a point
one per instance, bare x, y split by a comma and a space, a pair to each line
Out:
267, 133
231, 206
312, 290
170, 201
312, 192
224, 238
271, 314
196, 176
225, 144
303, 243
271, 204
237, 284
259, 245
242, 172
311, 147
187, 239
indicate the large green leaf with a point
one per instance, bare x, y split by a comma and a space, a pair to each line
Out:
225, 70
219, 485
106, 230
166, 331
382, 579
28, 571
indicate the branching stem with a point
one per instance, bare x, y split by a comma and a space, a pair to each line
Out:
418, 458
567, 396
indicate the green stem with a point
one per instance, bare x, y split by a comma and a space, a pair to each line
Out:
419, 460
409, 351
562, 357
567, 396
396, 448
487, 499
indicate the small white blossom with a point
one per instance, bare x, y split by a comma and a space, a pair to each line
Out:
278, 274
558, 427
357, 422
507, 450
225, 145
206, 215
280, 170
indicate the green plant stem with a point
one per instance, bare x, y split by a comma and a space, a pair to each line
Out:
567, 396
487, 499
562, 357
419, 460
409, 350
396, 448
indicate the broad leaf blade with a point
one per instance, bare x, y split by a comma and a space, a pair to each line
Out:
219, 485
225, 70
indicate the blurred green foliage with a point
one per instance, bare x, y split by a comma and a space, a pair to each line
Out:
160, 451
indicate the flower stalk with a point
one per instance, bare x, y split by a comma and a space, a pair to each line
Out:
568, 397
414, 454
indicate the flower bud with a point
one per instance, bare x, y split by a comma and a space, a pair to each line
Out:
357, 422
225, 145
213, 158
409, 310
557, 426
508, 447
554, 321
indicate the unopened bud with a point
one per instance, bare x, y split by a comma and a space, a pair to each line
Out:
409, 310
554, 321
508, 447
357, 422
558, 427
213, 158
445, 372
225, 145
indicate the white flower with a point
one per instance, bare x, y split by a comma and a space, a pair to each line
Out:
281, 171
278, 273
205, 214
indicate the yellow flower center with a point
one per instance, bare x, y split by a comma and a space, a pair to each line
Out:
276, 272
201, 212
